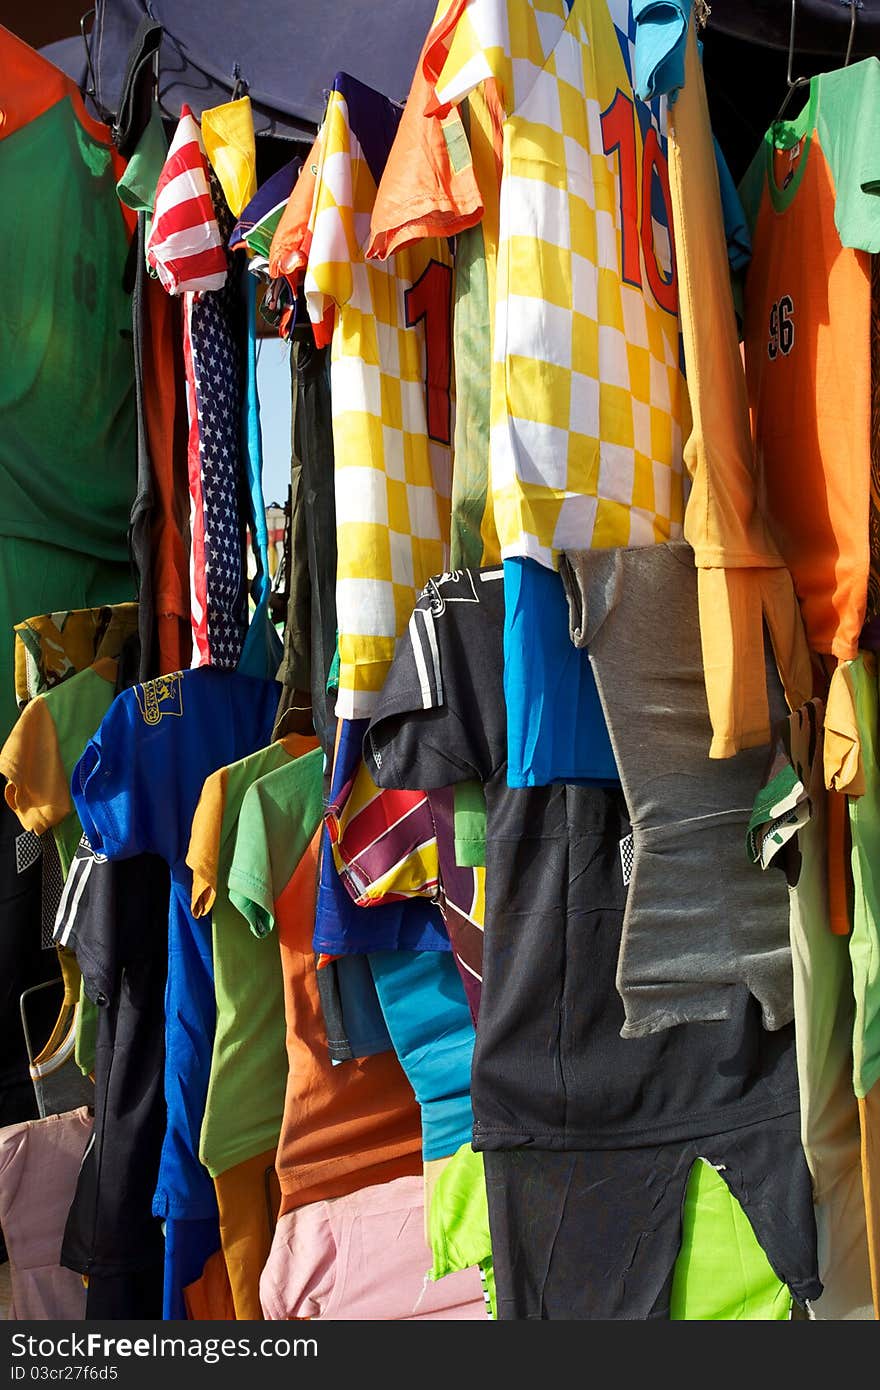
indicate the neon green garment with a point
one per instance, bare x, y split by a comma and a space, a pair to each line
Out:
245, 1099
458, 1221
722, 1274
469, 804
864, 942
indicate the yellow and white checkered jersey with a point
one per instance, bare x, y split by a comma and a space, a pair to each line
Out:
588, 400
391, 393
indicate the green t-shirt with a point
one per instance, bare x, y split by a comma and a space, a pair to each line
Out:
137, 187
245, 1100
67, 406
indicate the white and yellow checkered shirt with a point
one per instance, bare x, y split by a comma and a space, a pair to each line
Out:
391, 391
588, 402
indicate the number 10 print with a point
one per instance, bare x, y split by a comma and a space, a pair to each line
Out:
619, 134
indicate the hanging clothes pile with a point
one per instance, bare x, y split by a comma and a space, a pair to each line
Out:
455, 948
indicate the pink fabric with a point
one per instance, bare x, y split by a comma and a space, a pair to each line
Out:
363, 1257
39, 1166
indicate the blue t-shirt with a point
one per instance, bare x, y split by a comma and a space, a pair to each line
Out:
556, 729
135, 789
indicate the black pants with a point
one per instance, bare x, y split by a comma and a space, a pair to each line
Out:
595, 1235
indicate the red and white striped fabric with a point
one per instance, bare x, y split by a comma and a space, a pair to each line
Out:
185, 248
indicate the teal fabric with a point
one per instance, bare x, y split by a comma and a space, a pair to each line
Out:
661, 34
428, 1018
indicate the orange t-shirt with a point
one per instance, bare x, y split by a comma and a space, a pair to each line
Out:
811, 198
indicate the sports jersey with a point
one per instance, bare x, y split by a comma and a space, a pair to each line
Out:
555, 726
41, 752
810, 194
135, 789
441, 179
588, 400
788, 828
344, 1126
391, 389
51, 646
245, 1096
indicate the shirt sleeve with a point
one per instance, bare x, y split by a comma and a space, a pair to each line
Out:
332, 246
418, 738
203, 855
117, 784
279, 816
475, 40
251, 880
384, 842
429, 186
37, 789
289, 250
848, 124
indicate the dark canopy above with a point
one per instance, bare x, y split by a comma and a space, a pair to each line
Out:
288, 51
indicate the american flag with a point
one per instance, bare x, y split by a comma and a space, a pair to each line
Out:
185, 247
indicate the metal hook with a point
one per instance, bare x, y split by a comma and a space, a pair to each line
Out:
853, 6
92, 89
238, 81
793, 83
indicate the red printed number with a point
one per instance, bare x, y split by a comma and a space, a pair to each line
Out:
619, 134
430, 298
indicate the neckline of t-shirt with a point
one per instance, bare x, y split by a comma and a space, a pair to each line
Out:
781, 136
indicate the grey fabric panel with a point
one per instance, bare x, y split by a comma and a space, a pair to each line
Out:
698, 919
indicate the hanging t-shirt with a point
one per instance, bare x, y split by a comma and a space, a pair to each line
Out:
67, 420
810, 194
113, 915
40, 754
344, 1126
588, 399
391, 387
135, 789
245, 1097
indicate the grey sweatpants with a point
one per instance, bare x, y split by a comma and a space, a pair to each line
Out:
698, 920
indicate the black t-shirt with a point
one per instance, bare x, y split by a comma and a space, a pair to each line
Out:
550, 1067
114, 916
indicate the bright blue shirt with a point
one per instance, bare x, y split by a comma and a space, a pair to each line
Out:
135, 789
556, 729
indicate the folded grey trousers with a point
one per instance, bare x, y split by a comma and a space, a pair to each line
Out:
698, 919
